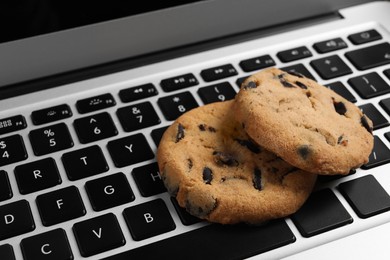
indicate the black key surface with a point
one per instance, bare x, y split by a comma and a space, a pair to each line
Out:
216, 242
137, 116
364, 37
340, 89
137, 92
53, 244
241, 80
84, 162
330, 67
176, 105
179, 82
218, 92
330, 45
12, 150
7, 252
294, 54
95, 127
51, 114
321, 212
299, 68
148, 219
378, 120
36, 176
219, 72
95, 103
366, 196
157, 134
370, 57
50, 139
109, 191
369, 85
380, 154
98, 235
5, 187
257, 63
148, 179
185, 217
130, 150
16, 219
12, 124
387, 73
60, 205
385, 104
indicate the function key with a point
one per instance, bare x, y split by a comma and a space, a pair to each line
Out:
218, 92
380, 154
5, 187
51, 114
11, 124
369, 85
137, 116
331, 67
12, 150
378, 120
370, 57
330, 45
179, 82
219, 72
294, 54
299, 69
257, 63
16, 219
95, 127
95, 103
364, 37
138, 92
340, 89
176, 105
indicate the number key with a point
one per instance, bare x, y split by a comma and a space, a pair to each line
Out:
176, 105
137, 116
218, 92
12, 150
94, 128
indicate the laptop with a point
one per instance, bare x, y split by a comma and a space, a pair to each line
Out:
87, 89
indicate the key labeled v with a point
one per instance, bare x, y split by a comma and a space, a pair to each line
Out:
98, 234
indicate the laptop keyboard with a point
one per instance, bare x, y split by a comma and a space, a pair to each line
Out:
89, 140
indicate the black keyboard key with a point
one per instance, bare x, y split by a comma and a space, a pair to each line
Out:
387, 73
148, 180
50, 139
366, 196
380, 154
340, 89
137, 116
330, 45
223, 242
220, 72
15, 219
5, 187
218, 92
109, 191
373, 113
331, 67
94, 128
51, 114
321, 212
157, 134
53, 244
176, 105
385, 104
364, 37
257, 63
137, 92
60, 205
84, 162
36, 176
98, 235
241, 80
12, 124
294, 54
299, 68
130, 150
370, 57
12, 150
7, 252
95, 103
179, 82
185, 217
369, 85
148, 219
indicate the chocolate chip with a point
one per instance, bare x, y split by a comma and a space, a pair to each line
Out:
190, 164
207, 175
301, 85
254, 148
304, 151
297, 74
364, 122
340, 107
257, 183
225, 159
203, 127
342, 141
250, 84
284, 82
180, 133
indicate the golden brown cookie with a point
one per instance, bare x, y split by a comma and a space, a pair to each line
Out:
306, 124
217, 173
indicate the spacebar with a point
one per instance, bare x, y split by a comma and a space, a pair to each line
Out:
216, 242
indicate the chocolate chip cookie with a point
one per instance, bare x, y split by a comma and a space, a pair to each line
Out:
306, 124
219, 174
